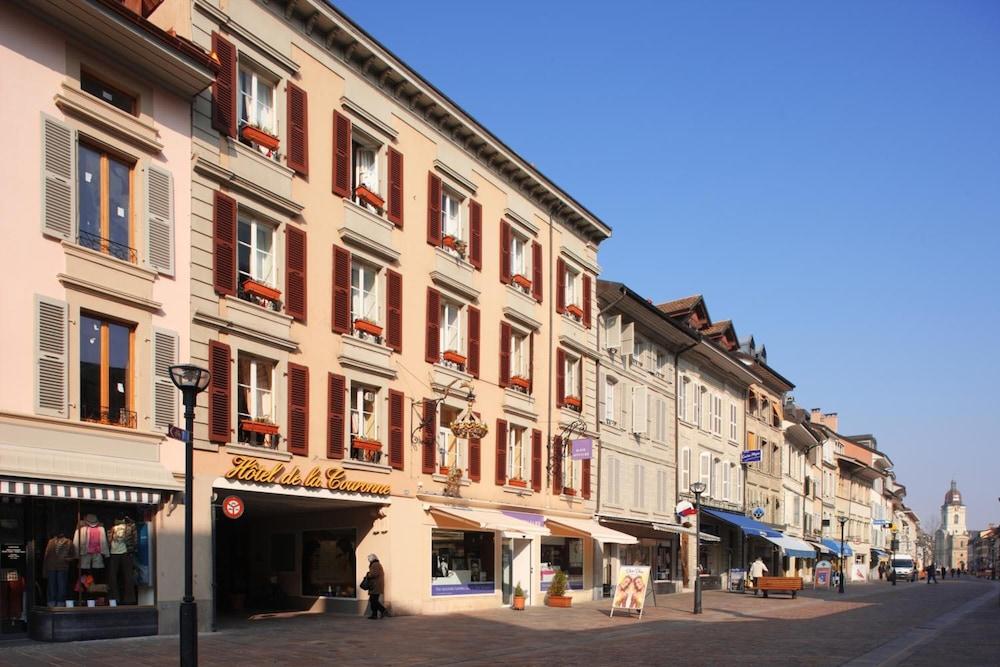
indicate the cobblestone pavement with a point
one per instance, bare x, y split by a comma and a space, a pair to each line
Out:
952, 623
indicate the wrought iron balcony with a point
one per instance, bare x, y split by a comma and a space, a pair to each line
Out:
108, 247
110, 416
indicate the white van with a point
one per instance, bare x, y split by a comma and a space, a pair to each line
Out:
902, 565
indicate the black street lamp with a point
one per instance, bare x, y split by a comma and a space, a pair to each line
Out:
840, 586
697, 489
191, 380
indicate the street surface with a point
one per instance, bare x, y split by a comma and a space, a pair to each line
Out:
953, 623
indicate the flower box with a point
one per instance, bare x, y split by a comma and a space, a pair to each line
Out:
444, 470
367, 327
519, 483
454, 357
567, 491
573, 402
366, 444
264, 428
575, 310
522, 382
260, 137
563, 601
369, 197
449, 241
521, 281
261, 290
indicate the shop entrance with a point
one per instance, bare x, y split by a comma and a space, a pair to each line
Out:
13, 569
516, 558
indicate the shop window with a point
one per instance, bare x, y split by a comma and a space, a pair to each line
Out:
365, 300
112, 95
104, 200
258, 273
256, 109
635, 554
462, 562
365, 442
106, 371
365, 172
518, 455
451, 450
562, 554
329, 563
255, 402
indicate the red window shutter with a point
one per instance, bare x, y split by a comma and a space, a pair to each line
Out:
557, 465
536, 271
536, 460
433, 209
295, 273
341, 290
560, 377
475, 458
432, 348
501, 462
336, 415
505, 271
560, 286
395, 210
505, 336
219, 413
224, 87
394, 310
585, 482
298, 409
397, 409
472, 363
476, 234
429, 436
531, 363
298, 129
224, 244
341, 155
586, 300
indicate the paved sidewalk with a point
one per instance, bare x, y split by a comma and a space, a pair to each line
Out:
817, 628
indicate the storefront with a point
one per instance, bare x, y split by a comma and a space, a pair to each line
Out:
738, 534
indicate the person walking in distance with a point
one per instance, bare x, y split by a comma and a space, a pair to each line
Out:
757, 570
944, 572
376, 583
931, 573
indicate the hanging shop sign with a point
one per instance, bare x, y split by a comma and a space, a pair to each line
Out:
582, 449
233, 507
250, 469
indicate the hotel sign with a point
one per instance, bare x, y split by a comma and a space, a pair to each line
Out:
250, 469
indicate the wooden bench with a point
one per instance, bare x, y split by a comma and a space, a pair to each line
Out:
784, 584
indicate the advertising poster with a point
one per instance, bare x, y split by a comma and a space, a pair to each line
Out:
822, 578
630, 592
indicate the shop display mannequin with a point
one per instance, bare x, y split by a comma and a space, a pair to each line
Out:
55, 565
121, 578
91, 543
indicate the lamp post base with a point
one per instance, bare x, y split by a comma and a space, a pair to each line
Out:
189, 633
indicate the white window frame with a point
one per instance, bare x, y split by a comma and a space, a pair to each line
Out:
365, 305
716, 478
518, 453
363, 144
451, 225
253, 389
257, 80
716, 414
571, 470
726, 487
571, 377
451, 335
733, 434
682, 391
659, 417
256, 226
444, 438
357, 399
610, 389
685, 470
640, 353
520, 255
705, 471
638, 486
699, 391
573, 286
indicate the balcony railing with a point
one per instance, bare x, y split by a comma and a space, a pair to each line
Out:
110, 416
107, 246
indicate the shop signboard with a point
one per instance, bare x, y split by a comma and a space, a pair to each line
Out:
582, 449
750, 456
250, 469
737, 580
822, 578
633, 586
232, 507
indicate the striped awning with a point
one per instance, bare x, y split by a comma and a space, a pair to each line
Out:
86, 492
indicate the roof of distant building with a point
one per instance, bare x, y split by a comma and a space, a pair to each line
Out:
953, 497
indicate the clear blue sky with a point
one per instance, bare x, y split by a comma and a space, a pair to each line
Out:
827, 175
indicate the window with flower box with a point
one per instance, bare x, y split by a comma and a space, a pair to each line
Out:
366, 445
258, 272
258, 122
453, 236
518, 456
366, 172
572, 385
451, 450
452, 343
365, 301
520, 262
255, 401
520, 361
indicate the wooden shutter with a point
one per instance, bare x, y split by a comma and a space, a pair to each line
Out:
298, 409
476, 234
531, 362
557, 465
587, 303
475, 458
165, 351
432, 344
505, 339
159, 209
560, 286
341, 155
341, 290
224, 244
585, 481
224, 87
428, 436
536, 271
298, 129
560, 377
505, 270
433, 209
501, 458
472, 363
51, 357
397, 408
536, 460
58, 179
395, 209
219, 411
295, 273
394, 310
336, 415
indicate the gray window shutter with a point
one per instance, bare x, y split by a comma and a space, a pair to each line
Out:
165, 344
160, 219
58, 178
51, 367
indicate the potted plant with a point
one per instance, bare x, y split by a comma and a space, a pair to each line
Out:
260, 136
518, 482
521, 281
259, 289
260, 425
573, 402
575, 310
369, 196
367, 326
449, 241
557, 591
444, 470
569, 491
454, 357
518, 604
520, 382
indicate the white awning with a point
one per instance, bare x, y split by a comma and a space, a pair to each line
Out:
522, 525
679, 529
793, 546
590, 528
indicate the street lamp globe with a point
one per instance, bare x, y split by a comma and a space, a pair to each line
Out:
698, 488
188, 376
842, 519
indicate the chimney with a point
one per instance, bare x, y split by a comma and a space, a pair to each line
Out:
816, 416
831, 421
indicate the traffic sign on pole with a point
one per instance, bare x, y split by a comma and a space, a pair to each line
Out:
178, 434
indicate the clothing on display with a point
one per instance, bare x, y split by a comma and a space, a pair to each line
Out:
121, 568
92, 543
123, 536
55, 566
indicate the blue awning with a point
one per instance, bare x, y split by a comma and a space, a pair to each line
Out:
793, 546
834, 546
879, 553
745, 523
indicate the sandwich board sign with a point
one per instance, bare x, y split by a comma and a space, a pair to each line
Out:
631, 590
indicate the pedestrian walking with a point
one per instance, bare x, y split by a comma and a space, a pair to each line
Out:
376, 587
944, 572
757, 570
931, 571
881, 571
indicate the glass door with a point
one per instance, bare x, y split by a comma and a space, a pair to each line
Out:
507, 570
13, 567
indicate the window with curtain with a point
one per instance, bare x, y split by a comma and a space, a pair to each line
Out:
364, 292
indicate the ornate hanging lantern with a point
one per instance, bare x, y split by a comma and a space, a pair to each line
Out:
467, 425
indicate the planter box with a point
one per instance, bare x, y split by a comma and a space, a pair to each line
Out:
521, 281
518, 381
444, 470
260, 137
264, 428
520, 483
261, 290
518, 604
575, 310
366, 444
367, 327
369, 197
573, 402
567, 491
454, 357
564, 601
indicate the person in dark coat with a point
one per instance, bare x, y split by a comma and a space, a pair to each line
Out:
376, 581
931, 573
944, 572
